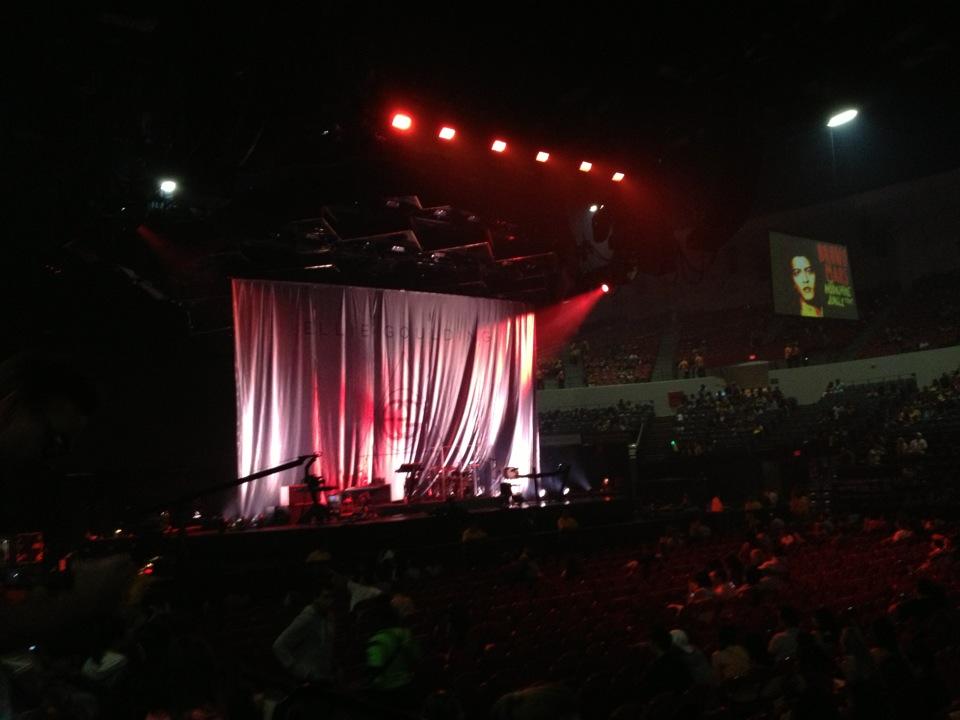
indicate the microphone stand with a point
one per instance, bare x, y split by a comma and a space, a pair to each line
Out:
221, 487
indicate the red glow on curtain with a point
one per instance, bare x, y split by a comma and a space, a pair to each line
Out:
373, 379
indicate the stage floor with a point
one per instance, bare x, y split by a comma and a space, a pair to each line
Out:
399, 512
414, 527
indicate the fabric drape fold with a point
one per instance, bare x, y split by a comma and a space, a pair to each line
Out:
375, 378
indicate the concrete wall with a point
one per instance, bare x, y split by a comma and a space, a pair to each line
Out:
607, 395
806, 384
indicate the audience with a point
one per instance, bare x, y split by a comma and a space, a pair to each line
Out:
625, 416
608, 646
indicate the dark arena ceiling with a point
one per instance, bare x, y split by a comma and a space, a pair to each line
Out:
275, 124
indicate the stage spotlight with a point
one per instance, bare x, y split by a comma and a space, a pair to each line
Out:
168, 187
617, 177
585, 166
842, 118
566, 491
498, 146
402, 122
604, 288
543, 156
542, 492
447, 133
594, 208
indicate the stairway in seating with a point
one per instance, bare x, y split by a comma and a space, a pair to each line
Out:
655, 443
797, 427
664, 366
573, 370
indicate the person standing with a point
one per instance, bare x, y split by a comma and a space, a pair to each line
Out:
305, 648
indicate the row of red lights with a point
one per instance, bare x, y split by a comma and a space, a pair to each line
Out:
404, 122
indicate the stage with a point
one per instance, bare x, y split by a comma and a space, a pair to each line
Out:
430, 532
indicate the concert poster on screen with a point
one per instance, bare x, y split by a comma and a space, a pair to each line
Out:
811, 278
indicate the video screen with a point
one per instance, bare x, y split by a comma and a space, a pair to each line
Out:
811, 279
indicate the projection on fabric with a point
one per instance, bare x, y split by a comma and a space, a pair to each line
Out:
811, 279
373, 379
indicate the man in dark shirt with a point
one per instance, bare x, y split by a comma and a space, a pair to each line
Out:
668, 673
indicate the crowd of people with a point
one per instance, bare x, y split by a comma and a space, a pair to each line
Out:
925, 317
625, 416
621, 363
820, 618
733, 418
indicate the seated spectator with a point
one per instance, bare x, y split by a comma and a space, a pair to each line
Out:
693, 658
783, 644
863, 688
540, 702
789, 539
392, 655
107, 663
451, 630
668, 673
523, 569
668, 542
773, 565
930, 599
877, 524
751, 587
731, 660
473, 533
567, 523
699, 531
442, 705
699, 589
752, 505
918, 445
734, 569
941, 552
799, 505
902, 533
826, 631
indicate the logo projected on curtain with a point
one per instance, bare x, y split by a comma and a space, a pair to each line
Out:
399, 416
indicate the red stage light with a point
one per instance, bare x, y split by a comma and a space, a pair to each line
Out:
752, 356
604, 288
585, 166
498, 146
543, 156
402, 122
447, 133
617, 177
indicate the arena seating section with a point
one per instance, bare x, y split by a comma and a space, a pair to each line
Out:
925, 316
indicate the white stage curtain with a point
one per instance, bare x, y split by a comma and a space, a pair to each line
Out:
376, 378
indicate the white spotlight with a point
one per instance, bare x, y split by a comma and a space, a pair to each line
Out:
594, 208
841, 118
566, 491
541, 492
168, 187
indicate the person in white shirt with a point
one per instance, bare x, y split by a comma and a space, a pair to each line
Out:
305, 648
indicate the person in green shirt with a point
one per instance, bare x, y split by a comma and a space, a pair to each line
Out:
393, 654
